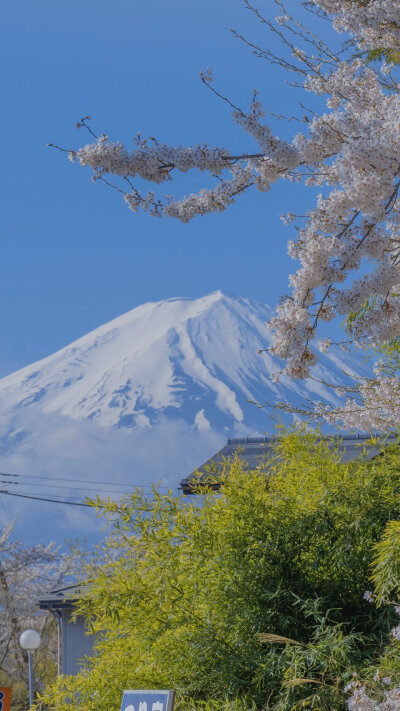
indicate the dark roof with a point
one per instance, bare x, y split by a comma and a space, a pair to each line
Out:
254, 452
62, 597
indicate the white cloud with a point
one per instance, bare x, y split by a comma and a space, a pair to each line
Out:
49, 445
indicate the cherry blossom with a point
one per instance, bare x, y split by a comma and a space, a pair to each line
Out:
361, 701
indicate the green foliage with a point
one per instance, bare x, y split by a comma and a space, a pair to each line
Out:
386, 565
391, 55
187, 586
313, 673
386, 561
390, 356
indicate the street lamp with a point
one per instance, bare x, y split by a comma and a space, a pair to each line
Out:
30, 640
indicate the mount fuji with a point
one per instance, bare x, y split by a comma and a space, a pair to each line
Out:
146, 397
194, 359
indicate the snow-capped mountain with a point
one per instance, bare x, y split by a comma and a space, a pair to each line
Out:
192, 359
145, 398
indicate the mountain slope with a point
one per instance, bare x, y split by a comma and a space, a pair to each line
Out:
145, 398
192, 359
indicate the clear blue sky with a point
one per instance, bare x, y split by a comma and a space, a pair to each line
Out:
72, 255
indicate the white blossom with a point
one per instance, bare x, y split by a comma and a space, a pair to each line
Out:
395, 632
282, 19
360, 701
324, 345
25, 573
368, 596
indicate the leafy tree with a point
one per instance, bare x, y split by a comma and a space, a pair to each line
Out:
25, 573
249, 597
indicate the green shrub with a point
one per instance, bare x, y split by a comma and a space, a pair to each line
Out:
185, 586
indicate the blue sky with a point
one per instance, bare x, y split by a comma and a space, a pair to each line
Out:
72, 255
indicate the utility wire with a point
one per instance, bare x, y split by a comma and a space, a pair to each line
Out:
63, 497
65, 486
9, 479
40, 498
84, 481
51, 500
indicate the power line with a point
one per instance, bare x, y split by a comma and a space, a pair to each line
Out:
65, 486
59, 499
84, 481
56, 497
49, 500
41, 498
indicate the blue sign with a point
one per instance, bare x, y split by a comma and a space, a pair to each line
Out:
148, 700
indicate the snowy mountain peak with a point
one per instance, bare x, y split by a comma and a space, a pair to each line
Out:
186, 358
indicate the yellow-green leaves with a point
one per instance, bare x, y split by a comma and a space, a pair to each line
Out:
386, 564
185, 588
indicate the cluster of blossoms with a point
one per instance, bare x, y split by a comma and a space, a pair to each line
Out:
155, 163
360, 701
374, 24
375, 407
353, 152
152, 162
355, 223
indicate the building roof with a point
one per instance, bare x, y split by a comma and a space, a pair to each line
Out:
62, 597
254, 452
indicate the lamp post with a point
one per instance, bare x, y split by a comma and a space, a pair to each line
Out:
30, 640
